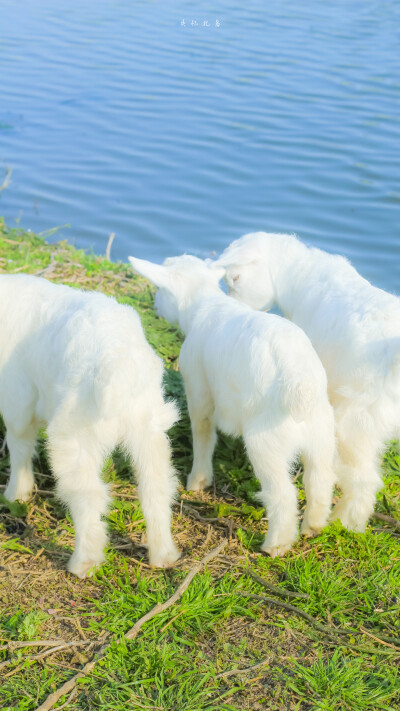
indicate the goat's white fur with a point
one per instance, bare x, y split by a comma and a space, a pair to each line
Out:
253, 375
79, 362
355, 329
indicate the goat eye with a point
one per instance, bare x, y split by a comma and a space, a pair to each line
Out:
236, 278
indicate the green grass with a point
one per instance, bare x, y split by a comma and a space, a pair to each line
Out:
194, 656
344, 682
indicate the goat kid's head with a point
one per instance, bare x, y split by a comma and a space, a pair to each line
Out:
248, 264
178, 280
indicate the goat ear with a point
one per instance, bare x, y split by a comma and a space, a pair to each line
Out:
232, 277
155, 273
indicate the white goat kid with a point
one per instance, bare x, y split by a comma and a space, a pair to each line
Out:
80, 363
355, 329
252, 375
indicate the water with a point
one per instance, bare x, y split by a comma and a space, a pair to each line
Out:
286, 117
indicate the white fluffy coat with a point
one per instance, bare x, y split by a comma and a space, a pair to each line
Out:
79, 363
355, 329
255, 376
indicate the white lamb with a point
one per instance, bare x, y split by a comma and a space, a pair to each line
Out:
355, 329
254, 375
79, 362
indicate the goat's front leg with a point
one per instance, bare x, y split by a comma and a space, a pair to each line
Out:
204, 435
21, 448
76, 462
319, 476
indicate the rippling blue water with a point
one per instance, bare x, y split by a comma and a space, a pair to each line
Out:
115, 117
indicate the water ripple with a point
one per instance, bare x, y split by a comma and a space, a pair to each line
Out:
115, 117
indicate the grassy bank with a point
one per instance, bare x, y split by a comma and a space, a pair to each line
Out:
216, 647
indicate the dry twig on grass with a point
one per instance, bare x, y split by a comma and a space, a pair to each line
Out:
11, 645
325, 629
233, 672
53, 492
42, 655
220, 521
134, 631
5, 184
109, 244
278, 603
50, 267
70, 697
281, 592
382, 641
387, 519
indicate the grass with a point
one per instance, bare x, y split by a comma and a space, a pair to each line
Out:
215, 648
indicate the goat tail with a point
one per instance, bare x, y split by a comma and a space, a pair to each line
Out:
147, 404
164, 417
300, 398
117, 388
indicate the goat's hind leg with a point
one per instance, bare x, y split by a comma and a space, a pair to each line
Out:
77, 462
21, 447
357, 465
318, 479
150, 451
268, 454
201, 411
359, 479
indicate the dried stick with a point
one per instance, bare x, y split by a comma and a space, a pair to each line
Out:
11, 645
231, 672
390, 640
4, 185
273, 588
161, 606
381, 641
220, 520
53, 492
10, 241
278, 603
52, 650
134, 631
70, 697
110, 241
52, 265
332, 642
326, 629
387, 519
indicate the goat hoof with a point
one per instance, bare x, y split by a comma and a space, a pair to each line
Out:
19, 495
310, 532
83, 569
165, 560
276, 551
348, 518
198, 483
